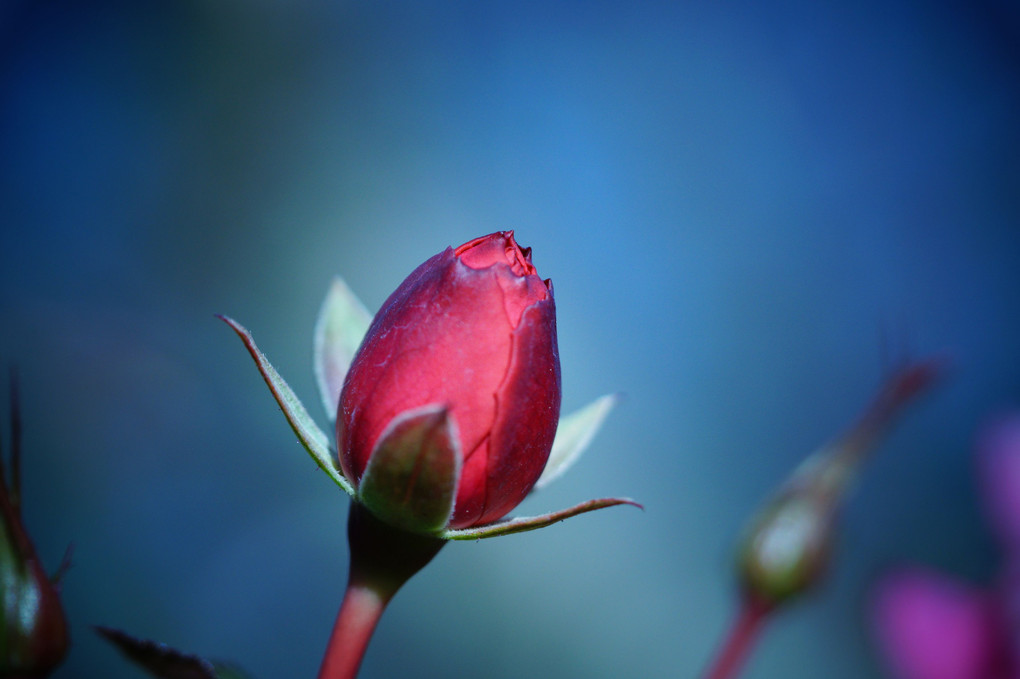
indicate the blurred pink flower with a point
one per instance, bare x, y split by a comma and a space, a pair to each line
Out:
934, 626
999, 475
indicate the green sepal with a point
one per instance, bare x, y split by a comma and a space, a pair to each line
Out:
573, 435
342, 323
164, 662
788, 549
411, 478
308, 432
526, 523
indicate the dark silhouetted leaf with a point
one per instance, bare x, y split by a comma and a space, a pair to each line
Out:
164, 662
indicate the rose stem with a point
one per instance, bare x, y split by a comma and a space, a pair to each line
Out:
359, 613
383, 558
741, 637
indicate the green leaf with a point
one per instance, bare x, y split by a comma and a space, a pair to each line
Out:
526, 523
411, 478
573, 435
164, 662
342, 324
311, 437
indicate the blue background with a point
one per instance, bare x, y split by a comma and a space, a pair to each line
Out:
750, 211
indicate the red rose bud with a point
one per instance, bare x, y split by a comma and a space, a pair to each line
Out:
457, 381
789, 543
445, 404
34, 637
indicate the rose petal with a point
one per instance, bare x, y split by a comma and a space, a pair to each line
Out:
933, 627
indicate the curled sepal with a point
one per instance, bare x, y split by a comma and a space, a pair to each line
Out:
526, 523
312, 438
574, 433
410, 481
342, 324
160, 660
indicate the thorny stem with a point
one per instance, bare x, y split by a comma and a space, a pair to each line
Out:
383, 558
740, 639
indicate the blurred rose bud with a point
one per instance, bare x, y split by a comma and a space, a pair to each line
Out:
788, 548
789, 543
33, 630
460, 366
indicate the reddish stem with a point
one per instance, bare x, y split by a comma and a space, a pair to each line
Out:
383, 558
740, 639
359, 613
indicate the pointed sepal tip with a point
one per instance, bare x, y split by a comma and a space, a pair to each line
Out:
526, 523
308, 432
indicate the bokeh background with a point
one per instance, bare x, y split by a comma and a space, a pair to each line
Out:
752, 211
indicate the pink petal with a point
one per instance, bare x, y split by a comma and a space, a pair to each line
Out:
933, 627
998, 456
